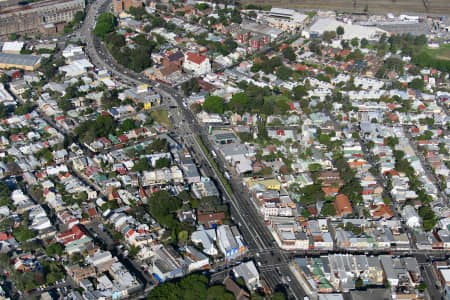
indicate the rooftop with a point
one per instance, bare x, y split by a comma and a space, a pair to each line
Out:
19, 59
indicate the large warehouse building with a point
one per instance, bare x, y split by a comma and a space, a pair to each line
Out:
350, 31
43, 17
19, 61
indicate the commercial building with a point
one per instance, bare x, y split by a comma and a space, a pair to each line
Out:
196, 63
166, 264
43, 17
76, 68
18, 61
350, 30
125, 5
205, 188
248, 272
12, 47
286, 19
230, 242
5, 97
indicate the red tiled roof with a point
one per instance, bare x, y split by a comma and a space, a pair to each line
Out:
92, 212
210, 217
342, 205
195, 58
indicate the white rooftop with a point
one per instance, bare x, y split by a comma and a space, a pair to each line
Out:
350, 30
12, 46
446, 274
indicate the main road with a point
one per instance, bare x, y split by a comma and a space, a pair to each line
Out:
260, 241
274, 262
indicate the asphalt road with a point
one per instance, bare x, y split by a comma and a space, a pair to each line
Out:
274, 262
255, 233
432, 290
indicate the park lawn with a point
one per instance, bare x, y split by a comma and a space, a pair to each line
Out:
161, 117
442, 53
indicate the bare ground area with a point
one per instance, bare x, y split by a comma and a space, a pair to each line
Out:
440, 7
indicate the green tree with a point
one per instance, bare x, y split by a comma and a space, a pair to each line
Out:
183, 236
162, 207
147, 28
278, 296
133, 251
128, 125
218, 292
428, 216
142, 165
105, 24
364, 43
393, 64
236, 16
13, 36
193, 286
312, 194
328, 209
356, 55
5, 194
78, 17
359, 283
299, 92
23, 109
214, 104
422, 286
4, 78
340, 31
238, 103
22, 233
196, 108
76, 257
54, 249
283, 72
158, 146
162, 163
289, 54
305, 213
327, 36
417, 84
65, 105
82, 196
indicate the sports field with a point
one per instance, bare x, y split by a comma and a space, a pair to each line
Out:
442, 53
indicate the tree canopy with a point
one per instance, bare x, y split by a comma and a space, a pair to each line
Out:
214, 104
101, 127
193, 286
162, 207
105, 24
289, 53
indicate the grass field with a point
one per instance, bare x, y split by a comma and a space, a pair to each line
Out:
440, 7
442, 53
161, 117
